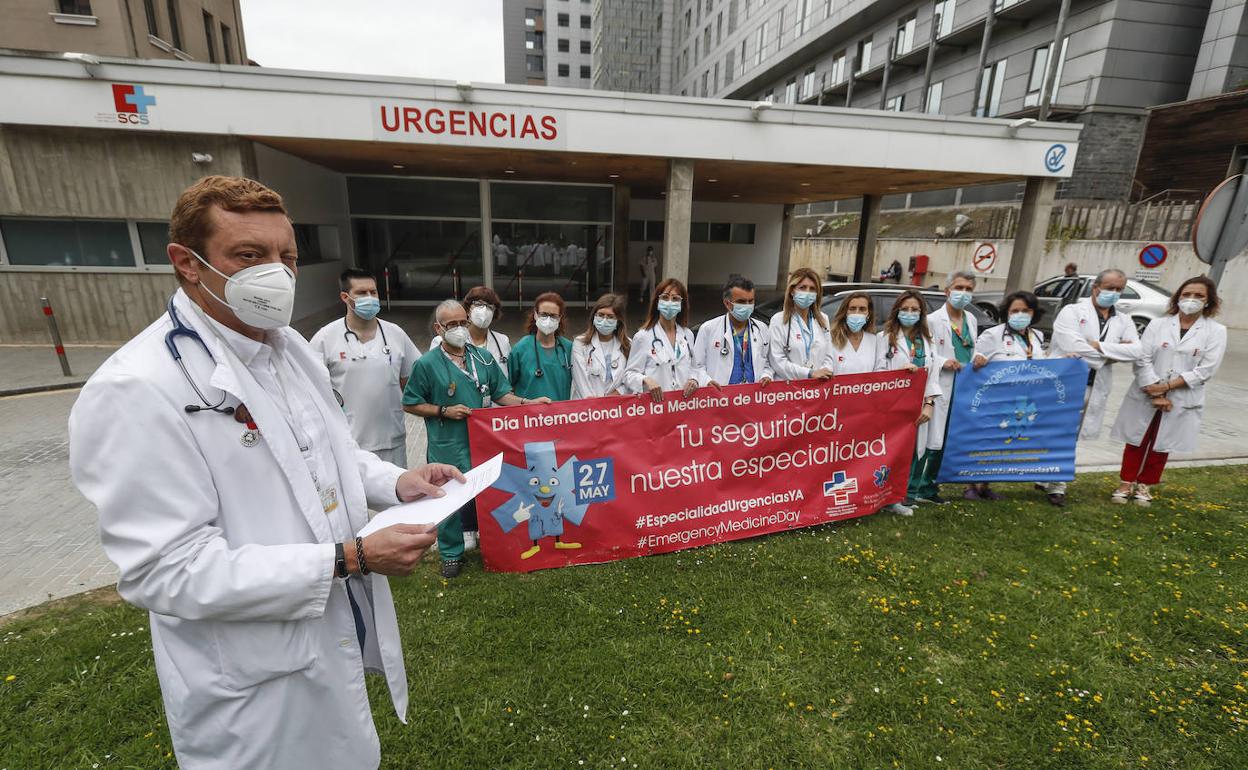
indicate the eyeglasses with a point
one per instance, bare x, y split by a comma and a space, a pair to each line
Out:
549, 316
602, 317
454, 325
671, 297
481, 303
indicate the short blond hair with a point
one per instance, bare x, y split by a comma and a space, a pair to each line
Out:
191, 223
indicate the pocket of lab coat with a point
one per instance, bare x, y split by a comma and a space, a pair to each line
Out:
254, 652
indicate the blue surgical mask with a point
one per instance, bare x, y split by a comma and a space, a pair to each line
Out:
908, 318
605, 325
803, 299
367, 307
960, 298
669, 309
1108, 298
856, 322
1020, 321
742, 312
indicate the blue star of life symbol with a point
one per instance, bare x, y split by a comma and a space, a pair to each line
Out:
881, 476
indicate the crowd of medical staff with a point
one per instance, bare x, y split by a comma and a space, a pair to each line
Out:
471, 365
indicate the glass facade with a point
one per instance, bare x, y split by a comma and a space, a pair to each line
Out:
67, 242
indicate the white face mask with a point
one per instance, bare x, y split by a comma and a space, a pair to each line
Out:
457, 337
481, 317
261, 296
547, 325
1191, 306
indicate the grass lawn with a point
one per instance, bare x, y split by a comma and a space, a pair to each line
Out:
1004, 635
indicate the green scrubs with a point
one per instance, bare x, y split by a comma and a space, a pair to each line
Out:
556, 367
925, 469
437, 380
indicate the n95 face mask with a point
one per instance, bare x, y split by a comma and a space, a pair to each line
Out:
261, 296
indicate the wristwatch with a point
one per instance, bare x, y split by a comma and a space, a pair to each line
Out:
340, 561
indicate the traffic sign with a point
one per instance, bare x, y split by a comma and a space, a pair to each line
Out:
1153, 255
1221, 229
984, 258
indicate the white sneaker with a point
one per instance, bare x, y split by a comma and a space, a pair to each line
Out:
470, 541
899, 509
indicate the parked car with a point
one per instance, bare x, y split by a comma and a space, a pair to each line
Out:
1142, 301
883, 295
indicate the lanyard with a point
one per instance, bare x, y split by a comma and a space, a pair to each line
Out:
470, 370
284, 403
809, 327
963, 339
1026, 340
607, 359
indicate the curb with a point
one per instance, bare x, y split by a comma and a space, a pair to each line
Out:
4, 393
1199, 462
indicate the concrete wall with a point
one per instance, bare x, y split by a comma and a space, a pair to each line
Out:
89, 306
711, 263
836, 255
1222, 63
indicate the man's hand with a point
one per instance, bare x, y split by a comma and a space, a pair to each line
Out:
953, 365
457, 412
911, 368
1156, 389
540, 400
690, 387
426, 481
764, 382
821, 374
652, 387
1162, 403
925, 414
393, 550
979, 361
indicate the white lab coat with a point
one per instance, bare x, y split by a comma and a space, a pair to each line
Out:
229, 548
1163, 356
943, 347
995, 344
367, 376
1077, 325
847, 360
715, 336
652, 355
891, 358
592, 362
789, 359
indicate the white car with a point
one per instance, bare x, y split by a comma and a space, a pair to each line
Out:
1142, 301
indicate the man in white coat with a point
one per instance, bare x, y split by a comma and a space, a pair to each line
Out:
735, 347
1093, 330
229, 493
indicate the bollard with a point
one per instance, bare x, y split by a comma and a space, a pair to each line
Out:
386, 278
520, 286
56, 336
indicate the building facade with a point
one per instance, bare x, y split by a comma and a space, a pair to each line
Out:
190, 30
548, 42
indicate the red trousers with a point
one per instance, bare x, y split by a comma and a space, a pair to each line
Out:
1141, 464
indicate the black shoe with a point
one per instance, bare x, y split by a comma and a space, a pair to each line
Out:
1057, 500
932, 499
910, 502
452, 567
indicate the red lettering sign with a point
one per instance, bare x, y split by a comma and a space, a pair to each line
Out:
396, 119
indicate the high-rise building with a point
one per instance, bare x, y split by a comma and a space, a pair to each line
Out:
548, 42
990, 58
190, 30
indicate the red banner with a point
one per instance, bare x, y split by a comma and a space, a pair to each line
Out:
611, 478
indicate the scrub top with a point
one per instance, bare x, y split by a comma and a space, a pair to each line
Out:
556, 364
366, 375
436, 379
963, 343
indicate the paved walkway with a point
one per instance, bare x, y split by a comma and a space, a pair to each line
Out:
50, 547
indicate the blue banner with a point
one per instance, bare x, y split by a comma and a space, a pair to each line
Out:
1015, 421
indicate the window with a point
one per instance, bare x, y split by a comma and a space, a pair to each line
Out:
210, 37
770, 96
534, 64
827, 8
715, 80
705, 75
743, 59
706, 40
149, 10
315, 243
563, 20
989, 102
586, 21
74, 7
728, 62
699, 232
645, 230
585, 72
720, 232
153, 238
863, 56
790, 91
905, 35
175, 25
227, 44
762, 43
801, 16
563, 44
564, 70
944, 17
808, 83
1039, 70
838, 68
732, 16
934, 92
585, 47
719, 29
742, 233
77, 242
895, 103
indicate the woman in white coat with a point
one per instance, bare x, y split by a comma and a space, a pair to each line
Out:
855, 345
800, 344
906, 344
1014, 340
601, 352
662, 351
1162, 412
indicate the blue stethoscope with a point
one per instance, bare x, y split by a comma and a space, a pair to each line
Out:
349, 333
171, 342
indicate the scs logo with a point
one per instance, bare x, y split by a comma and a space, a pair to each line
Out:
130, 103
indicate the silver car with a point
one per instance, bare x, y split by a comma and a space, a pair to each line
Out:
1142, 301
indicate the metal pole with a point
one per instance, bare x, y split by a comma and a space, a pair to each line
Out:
56, 337
1055, 53
455, 281
520, 286
849, 85
931, 60
989, 21
386, 278
888, 69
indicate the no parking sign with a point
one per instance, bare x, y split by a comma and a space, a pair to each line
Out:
1153, 255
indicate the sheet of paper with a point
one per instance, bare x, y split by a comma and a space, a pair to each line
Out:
431, 511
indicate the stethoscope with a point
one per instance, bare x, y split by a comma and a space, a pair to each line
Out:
724, 349
589, 357
788, 334
350, 333
469, 363
171, 341
560, 354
